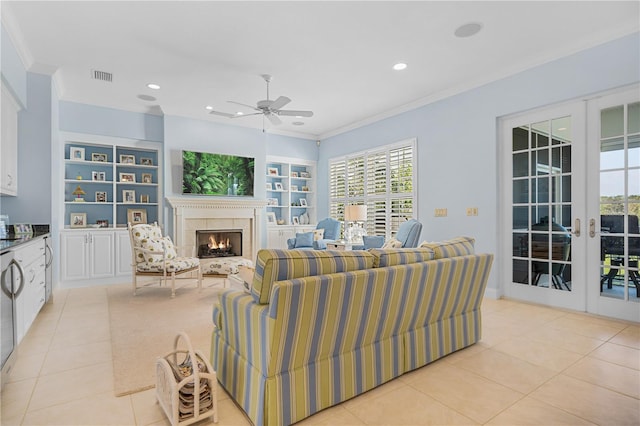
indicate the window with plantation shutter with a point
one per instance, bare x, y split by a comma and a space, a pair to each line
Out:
382, 179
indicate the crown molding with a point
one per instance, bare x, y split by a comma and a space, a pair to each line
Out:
15, 34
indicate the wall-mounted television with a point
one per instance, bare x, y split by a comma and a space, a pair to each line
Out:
205, 173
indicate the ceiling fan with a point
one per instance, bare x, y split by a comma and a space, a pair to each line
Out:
268, 108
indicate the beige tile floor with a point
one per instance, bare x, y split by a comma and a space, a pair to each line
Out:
535, 365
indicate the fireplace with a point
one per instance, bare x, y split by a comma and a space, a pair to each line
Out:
219, 243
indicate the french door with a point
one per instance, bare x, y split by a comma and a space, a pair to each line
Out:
571, 203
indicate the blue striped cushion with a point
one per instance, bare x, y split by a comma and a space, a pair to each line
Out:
401, 256
459, 246
279, 265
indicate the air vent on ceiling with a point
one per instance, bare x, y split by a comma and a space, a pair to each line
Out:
102, 75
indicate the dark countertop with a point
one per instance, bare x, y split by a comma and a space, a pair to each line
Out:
13, 241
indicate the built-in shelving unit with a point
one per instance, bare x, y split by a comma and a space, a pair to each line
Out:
291, 191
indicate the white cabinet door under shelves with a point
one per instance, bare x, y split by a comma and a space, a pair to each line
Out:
123, 253
87, 255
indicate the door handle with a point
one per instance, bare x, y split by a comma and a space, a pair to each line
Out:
592, 227
576, 228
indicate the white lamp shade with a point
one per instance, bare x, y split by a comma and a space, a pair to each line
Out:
355, 213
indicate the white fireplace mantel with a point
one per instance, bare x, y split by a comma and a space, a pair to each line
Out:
192, 213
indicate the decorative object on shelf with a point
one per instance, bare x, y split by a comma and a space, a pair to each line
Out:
295, 220
147, 178
280, 221
78, 220
268, 186
127, 159
76, 153
146, 161
294, 187
279, 186
304, 219
78, 192
272, 201
305, 175
272, 171
136, 216
99, 157
355, 215
98, 176
305, 189
271, 218
101, 197
144, 198
79, 177
303, 202
127, 177
128, 196
104, 223
294, 174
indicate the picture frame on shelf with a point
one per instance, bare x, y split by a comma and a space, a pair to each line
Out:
294, 174
303, 202
98, 176
127, 159
294, 187
268, 186
145, 161
78, 220
99, 157
144, 198
104, 223
76, 153
305, 175
278, 186
305, 189
147, 178
272, 201
127, 177
136, 216
128, 196
271, 218
295, 220
272, 171
101, 197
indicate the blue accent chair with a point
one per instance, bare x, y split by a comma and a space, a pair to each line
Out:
331, 233
408, 234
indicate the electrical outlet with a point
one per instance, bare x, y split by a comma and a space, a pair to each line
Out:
472, 211
440, 212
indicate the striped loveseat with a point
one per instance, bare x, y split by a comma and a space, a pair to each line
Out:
320, 327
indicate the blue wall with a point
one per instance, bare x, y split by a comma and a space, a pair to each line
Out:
12, 69
458, 143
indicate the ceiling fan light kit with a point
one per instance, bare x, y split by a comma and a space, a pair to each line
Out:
268, 108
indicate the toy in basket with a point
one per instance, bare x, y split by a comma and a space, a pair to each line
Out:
186, 385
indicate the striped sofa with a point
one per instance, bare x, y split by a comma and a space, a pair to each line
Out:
320, 327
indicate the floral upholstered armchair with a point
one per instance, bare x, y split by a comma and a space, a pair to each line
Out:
155, 256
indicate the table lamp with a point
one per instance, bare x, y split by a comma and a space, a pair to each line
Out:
355, 215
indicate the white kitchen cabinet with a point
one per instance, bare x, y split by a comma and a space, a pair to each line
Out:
31, 257
87, 254
9, 144
123, 252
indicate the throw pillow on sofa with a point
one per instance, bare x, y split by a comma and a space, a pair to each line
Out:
460, 246
304, 239
318, 234
392, 243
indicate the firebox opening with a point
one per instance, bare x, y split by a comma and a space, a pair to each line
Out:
219, 243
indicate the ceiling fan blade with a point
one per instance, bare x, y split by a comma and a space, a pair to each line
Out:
292, 113
273, 119
280, 102
223, 114
245, 115
244, 105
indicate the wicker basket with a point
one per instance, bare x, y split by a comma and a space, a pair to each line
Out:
186, 394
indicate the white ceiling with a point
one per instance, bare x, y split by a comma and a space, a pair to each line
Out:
334, 58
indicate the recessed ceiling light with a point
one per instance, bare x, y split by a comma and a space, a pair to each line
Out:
468, 30
399, 66
298, 123
239, 113
208, 107
153, 86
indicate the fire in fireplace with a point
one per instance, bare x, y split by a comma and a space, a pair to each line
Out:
219, 243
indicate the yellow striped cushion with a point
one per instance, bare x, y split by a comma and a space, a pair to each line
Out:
279, 265
402, 256
460, 246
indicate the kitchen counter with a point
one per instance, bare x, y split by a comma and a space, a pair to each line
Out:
13, 241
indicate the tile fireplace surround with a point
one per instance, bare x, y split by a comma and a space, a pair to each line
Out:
192, 214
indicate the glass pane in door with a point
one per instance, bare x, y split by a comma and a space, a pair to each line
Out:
541, 210
620, 201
